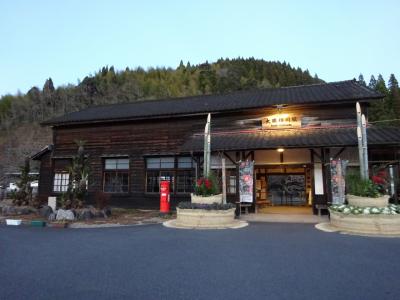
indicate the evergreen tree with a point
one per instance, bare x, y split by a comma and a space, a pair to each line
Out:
394, 94
372, 82
361, 80
393, 84
110, 86
380, 85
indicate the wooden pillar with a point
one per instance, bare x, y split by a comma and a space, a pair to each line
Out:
312, 176
327, 174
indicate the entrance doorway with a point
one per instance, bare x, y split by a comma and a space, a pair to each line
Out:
283, 185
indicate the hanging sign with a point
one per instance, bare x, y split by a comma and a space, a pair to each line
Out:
281, 121
338, 184
246, 181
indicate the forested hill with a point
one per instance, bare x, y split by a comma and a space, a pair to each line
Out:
111, 86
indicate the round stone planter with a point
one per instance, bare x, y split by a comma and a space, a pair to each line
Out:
368, 202
205, 219
206, 200
379, 224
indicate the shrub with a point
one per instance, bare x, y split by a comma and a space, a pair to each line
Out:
357, 186
206, 186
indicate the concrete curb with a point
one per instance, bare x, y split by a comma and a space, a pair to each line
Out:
235, 225
328, 227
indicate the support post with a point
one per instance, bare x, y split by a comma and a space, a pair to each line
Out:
223, 180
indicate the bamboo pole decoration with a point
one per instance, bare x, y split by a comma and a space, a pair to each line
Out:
360, 140
223, 180
209, 144
207, 147
365, 145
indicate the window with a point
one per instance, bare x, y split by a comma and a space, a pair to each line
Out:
184, 181
161, 163
116, 175
185, 163
61, 182
179, 171
231, 181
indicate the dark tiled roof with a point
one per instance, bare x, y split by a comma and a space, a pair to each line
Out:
42, 152
264, 139
307, 94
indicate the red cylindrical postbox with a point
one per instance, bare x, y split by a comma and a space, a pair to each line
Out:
164, 196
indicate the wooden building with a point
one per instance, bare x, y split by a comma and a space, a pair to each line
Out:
291, 133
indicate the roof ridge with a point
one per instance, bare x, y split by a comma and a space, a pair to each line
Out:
148, 100
233, 100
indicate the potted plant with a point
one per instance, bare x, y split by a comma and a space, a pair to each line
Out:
368, 210
366, 192
206, 191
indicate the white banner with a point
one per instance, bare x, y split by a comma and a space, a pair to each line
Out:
246, 181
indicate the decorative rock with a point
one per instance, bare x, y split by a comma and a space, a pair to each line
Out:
85, 214
107, 211
9, 211
45, 211
65, 215
99, 214
52, 217
23, 211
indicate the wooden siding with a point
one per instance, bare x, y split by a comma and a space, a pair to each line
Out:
45, 177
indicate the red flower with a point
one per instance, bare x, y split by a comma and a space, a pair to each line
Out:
208, 184
378, 180
200, 182
382, 173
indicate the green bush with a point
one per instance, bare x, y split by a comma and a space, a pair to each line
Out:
357, 186
206, 186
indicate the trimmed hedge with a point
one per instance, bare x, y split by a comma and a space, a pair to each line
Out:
214, 206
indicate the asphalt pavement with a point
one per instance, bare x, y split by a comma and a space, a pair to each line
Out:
261, 261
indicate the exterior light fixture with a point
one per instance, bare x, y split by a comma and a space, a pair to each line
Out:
280, 150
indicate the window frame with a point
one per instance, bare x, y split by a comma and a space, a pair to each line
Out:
116, 172
174, 171
62, 173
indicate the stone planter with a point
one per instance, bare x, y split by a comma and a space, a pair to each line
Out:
206, 200
379, 224
368, 202
202, 218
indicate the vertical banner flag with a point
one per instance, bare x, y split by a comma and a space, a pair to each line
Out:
246, 181
338, 184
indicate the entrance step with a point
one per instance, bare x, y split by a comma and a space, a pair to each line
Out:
284, 218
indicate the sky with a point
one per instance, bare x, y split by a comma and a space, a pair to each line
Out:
68, 40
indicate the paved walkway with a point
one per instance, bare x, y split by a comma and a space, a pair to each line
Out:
261, 261
284, 218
